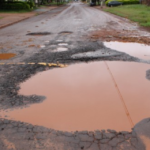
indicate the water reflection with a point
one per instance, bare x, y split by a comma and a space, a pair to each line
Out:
134, 49
83, 97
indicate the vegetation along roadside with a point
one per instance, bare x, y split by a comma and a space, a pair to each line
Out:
135, 12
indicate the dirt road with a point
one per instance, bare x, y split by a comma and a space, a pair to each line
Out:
55, 39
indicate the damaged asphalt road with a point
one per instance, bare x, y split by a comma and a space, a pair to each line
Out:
84, 51
77, 21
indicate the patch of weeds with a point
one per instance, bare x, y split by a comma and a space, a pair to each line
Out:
137, 13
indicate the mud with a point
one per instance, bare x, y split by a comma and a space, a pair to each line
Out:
6, 56
120, 36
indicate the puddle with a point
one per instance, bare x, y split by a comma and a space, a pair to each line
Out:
39, 33
59, 40
146, 142
62, 44
60, 49
7, 55
42, 46
134, 49
84, 97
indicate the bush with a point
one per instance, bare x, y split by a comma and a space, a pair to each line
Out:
125, 2
15, 6
44, 2
31, 4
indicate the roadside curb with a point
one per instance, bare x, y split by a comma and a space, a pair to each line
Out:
3, 26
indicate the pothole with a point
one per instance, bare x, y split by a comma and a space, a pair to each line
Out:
39, 33
134, 49
120, 36
84, 97
7, 55
65, 32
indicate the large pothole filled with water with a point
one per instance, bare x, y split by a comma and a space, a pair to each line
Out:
84, 97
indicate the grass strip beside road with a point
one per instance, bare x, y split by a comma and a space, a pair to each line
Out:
15, 11
137, 13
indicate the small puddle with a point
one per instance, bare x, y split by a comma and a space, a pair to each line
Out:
60, 49
134, 49
146, 141
63, 44
42, 46
84, 97
7, 55
59, 40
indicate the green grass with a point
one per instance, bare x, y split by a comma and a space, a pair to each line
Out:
12, 11
137, 13
1, 17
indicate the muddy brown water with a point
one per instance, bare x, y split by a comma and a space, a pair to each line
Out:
134, 49
146, 142
6, 55
84, 97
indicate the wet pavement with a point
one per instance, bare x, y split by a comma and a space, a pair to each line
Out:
49, 83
